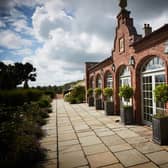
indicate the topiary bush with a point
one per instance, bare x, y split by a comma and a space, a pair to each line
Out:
161, 95
108, 93
98, 92
126, 92
90, 92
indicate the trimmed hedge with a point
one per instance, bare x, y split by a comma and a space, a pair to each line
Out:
18, 97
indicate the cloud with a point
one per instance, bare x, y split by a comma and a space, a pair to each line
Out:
11, 40
2, 24
71, 32
21, 26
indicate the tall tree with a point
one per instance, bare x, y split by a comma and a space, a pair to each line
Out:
29, 74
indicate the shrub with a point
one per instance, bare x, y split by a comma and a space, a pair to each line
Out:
161, 95
98, 92
90, 92
77, 95
50, 93
126, 92
108, 92
18, 97
44, 101
19, 134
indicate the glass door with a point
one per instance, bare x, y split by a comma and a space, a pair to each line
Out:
150, 107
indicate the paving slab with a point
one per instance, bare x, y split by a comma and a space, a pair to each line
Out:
70, 148
72, 159
67, 136
89, 140
126, 134
120, 147
148, 147
114, 166
102, 159
159, 157
85, 134
146, 165
69, 142
136, 140
131, 157
112, 140
164, 166
94, 149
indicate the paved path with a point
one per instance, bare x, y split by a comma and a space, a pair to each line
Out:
81, 137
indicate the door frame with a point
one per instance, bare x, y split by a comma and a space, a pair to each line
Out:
152, 73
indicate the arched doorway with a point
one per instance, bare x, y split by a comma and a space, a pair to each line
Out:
152, 74
125, 79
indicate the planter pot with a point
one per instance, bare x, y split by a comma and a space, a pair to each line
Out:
160, 130
126, 115
109, 108
91, 101
98, 104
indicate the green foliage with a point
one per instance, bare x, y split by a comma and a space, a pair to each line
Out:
50, 93
20, 132
98, 92
108, 92
44, 101
13, 75
18, 97
161, 93
126, 92
77, 95
90, 92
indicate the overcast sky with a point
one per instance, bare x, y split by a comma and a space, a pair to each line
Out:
58, 36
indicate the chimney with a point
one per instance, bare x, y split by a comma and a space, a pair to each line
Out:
147, 29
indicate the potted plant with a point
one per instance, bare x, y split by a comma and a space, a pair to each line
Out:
98, 102
160, 120
90, 97
126, 113
108, 104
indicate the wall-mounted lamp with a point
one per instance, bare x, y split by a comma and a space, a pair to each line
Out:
113, 67
132, 61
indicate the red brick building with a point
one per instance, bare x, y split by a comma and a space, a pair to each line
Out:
141, 62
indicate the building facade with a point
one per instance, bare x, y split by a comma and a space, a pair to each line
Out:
136, 60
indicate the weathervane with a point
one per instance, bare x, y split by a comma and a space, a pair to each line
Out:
123, 4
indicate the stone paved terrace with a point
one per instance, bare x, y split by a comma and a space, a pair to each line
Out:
78, 136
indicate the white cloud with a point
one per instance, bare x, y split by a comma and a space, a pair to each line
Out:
71, 32
20, 25
2, 24
23, 52
11, 40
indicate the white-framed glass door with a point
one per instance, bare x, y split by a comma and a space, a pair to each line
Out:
153, 74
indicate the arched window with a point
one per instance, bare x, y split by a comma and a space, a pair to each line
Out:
125, 76
152, 74
154, 64
99, 82
109, 80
